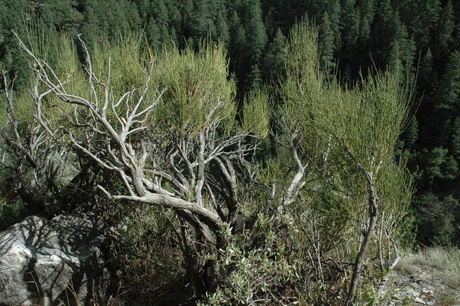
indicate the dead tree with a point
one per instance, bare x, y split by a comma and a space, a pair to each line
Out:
194, 174
33, 159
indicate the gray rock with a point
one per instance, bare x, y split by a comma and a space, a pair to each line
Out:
52, 262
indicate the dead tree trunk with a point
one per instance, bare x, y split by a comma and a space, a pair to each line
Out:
368, 232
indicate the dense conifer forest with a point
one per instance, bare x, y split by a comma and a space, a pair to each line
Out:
321, 105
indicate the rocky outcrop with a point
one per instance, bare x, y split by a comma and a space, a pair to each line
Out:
52, 262
427, 277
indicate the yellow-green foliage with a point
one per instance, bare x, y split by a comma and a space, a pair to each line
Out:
396, 188
302, 57
128, 63
256, 112
339, 132
303, 88
199, 92
59, 52
366, 120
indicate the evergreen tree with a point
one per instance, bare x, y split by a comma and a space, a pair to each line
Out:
420, 17
175, 20
222, 30
187, 19
12, 17
435, 221
427, 83
456, 34
254, 78
427, 79
402, 52
384, 32
143, 7
410, 134
158, 31
326, 45
367, 9
439, 167
61, 15
349, 28
333, 10
363, 53
202, 19
256, 37
448, 93
273, 66
159, 11
443, 38
89, 27
455, 139
270, 23
156, 34
237, 47
109, 18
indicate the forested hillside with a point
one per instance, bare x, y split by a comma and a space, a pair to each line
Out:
283, 126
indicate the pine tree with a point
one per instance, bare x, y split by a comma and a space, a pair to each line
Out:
448, 93
456, 34
363, 53
143, 9
420, 17
438, 167
13, 13
428, 78
65, 16
384, 31
455, 139
435, 220
254, 79
256, 37
202, 22
90, 25
427, 83
237, 46
273, 66
410, 134
249, 41
442, 38
333, 9
159, 11
174, 20
158, 35
186, 9
349, 28
222, 30
402, 52
367, 9
326, 45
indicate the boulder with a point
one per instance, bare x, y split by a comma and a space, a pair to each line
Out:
46, 262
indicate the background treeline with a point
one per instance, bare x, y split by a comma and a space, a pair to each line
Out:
419, 36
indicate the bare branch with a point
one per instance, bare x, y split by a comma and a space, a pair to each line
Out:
171, 202
229, 173
169, 170
297, 182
